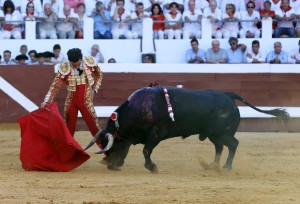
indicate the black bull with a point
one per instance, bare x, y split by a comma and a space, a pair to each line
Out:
144, 118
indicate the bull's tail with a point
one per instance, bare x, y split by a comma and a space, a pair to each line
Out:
277, 112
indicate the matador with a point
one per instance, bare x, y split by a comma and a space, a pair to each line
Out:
83, 78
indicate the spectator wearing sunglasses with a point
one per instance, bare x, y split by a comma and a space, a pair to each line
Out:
236, 52
250, 19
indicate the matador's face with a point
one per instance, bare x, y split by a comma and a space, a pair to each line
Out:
76, 64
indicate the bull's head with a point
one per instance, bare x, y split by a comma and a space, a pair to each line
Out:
115, 148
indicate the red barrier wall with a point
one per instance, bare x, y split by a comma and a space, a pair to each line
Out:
267, 89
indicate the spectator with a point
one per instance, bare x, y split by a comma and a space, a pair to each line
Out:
294, 55
138, 16
250, 19
259, 4
21, 59
121, 15
23, 51
158, 27
199, 4
66, 28
267, 12
236, 53
30, 14
32, 59
278, 56
214, 14
148, 58
298, 22
0, 60
255, 55
57, 5
239, 5
167, 5
7, 58
58, 56
46, 28
111, 60
285, 16
216, 54
230, 22
37, 6
173, 24
195, 55
73, 4
11, 28
17, 4
96, 53
102, 24
81, 16
192, 21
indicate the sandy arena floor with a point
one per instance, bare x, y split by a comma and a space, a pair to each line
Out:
266, 170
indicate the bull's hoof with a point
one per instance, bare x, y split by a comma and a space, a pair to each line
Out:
152, 167
114, 168
227, 166
214, 166
103, 161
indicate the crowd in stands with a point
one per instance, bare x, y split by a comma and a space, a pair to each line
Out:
173, 19
53, 57
238, 53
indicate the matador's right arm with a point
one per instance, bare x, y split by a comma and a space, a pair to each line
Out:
54, 88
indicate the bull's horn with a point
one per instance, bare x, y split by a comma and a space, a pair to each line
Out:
109, 144
92, 142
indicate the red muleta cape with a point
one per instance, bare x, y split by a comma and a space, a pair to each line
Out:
46, 143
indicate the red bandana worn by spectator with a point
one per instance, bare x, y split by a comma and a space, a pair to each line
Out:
173, 14
29, 13
46, 143
289, 8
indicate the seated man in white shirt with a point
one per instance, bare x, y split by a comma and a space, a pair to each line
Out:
285, 16
294, 55
46, 28
249, 25
137, 17
58, 56
255, 55
66, 28
192, 22
120, 16
214, 14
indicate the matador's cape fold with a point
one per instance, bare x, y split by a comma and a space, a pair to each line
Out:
46, 143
